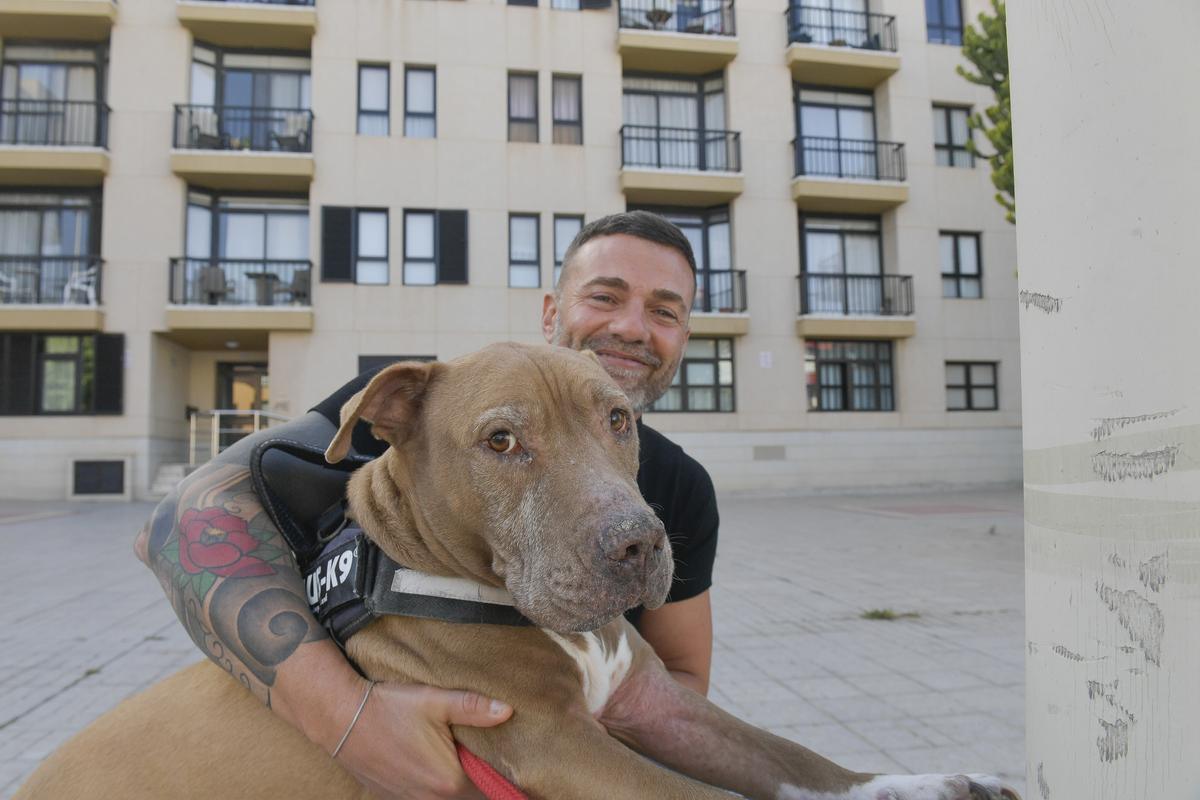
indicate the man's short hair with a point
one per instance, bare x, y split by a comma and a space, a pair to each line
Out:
642, 224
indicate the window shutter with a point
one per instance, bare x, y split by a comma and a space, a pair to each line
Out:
110, 373
16, 393
590, 4
452, 246
337, 243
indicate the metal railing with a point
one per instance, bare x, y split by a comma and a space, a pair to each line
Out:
240, 282
53, 123
287, 130
815, 25
681, 148
866, 295
720, 290
50, 280
850, 158
210, 432
268, 2
711, 17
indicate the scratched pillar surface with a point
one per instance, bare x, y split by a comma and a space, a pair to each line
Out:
1107, 144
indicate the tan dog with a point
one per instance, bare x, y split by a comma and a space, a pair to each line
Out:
515, 468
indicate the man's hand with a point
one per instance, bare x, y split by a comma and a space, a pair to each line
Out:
401, 746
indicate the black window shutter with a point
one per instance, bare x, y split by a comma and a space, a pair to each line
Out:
337, 243
452, 247
110, 373
16, 395
586, 4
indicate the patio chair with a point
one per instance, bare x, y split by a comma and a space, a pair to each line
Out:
82, 281
205, 131
299, 288
212, 285
292, 137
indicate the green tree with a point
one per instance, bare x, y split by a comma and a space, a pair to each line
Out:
986, 47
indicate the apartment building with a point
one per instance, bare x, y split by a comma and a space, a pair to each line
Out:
236, 206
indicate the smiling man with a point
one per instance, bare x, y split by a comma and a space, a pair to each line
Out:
625, 293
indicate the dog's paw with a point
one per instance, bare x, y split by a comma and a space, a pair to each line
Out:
938, 787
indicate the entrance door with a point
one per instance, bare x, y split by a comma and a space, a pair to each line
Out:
244, 388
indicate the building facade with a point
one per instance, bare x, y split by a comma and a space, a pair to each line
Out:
210, 205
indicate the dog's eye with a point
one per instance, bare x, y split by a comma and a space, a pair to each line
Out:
618, 420
503, 442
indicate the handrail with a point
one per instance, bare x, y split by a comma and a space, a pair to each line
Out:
681, 148
240, 282
837, 27
721, 291
850, 158
53, 123
705, 17
216, 442
864, 295
50, 280
260, 128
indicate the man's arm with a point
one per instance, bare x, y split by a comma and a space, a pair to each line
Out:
230, 577
681, 635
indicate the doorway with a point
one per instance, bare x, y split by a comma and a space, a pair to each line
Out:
242, 388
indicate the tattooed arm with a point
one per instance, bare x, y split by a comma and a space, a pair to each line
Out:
229, 575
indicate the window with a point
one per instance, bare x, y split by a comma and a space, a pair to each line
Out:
373, 99
841, 265
943, 21
676, 122
52, 94
243, 250
960, 265
532, 3
565, 5
49, 241
971, 386
366, 363
522, 107
52, 373
838, 22
950, 137
435, 247
566, 227
371, 246
849, 376
718, 287
567, 101
420, 102
836, 135
354, 245
704, 380
524, 259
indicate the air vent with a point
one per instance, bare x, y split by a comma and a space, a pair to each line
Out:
97, 479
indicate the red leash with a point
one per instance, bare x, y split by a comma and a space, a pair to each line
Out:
493, 785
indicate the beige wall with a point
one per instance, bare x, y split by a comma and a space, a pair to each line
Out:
472, 166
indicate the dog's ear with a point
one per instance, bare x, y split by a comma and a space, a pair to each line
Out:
391, 402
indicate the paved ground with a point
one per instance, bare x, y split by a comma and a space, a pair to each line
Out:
85, 625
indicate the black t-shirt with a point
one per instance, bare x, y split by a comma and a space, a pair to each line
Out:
672, 482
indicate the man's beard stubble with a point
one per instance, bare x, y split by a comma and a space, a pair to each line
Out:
641, 391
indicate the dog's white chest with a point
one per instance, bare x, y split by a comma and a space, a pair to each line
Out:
602, 669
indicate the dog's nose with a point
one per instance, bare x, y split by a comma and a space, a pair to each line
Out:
631, 543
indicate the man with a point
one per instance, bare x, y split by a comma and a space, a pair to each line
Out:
625, 292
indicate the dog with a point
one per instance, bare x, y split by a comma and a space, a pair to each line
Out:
514, 469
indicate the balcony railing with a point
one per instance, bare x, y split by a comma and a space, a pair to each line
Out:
864, 159
720, 290
268, 2
681, 148
865, 295
50, 280
815, 25
240, 282
287, 130
711, 17
53, 123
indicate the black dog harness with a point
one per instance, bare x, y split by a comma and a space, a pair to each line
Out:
348, 580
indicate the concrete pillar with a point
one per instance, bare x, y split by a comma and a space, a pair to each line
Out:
1107, 144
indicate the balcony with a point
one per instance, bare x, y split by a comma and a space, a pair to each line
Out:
680, 166
720, 305
75, 20
839, 306
53, 142
679, 36
214, 301
832, 47
241, 147
274, 24
50, 292
848, 176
